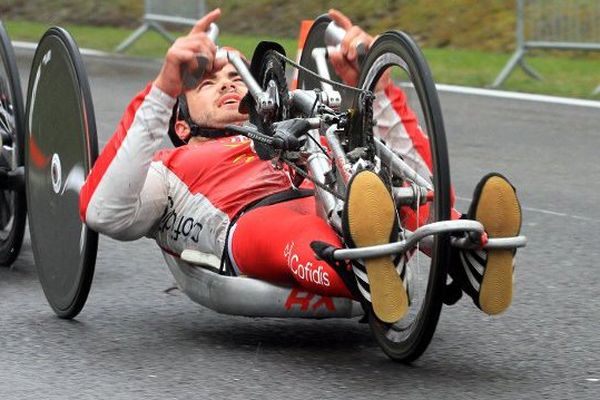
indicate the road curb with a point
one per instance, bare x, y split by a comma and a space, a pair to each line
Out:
502, 94
31, 46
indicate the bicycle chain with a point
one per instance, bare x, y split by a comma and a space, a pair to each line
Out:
366, 98
317, 76
368, 122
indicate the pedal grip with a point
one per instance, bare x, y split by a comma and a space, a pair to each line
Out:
361, 52
192, 79
323, 251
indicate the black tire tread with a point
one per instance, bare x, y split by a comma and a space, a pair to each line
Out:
414, 346
10, 248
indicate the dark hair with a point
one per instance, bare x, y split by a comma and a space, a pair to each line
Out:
181, 112
175, 116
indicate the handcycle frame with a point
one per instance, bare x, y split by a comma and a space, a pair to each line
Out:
232, 295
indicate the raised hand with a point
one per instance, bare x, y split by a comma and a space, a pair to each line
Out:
345, 58
183, 54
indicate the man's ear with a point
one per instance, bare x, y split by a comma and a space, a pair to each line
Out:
182, 129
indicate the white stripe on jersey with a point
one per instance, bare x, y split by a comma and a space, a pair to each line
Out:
190, 221
131, 196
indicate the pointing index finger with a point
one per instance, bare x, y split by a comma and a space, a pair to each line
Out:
340, 19
204, 22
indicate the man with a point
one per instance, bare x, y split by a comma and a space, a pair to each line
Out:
200, 196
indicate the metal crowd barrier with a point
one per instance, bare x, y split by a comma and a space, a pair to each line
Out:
159, 12
556, 25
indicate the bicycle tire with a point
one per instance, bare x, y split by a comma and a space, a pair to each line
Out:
406, 340
61, 148
13, 204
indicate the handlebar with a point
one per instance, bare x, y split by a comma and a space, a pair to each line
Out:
191, 79
334, 34
289, 134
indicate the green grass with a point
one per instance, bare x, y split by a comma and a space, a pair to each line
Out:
151, 44
562, 75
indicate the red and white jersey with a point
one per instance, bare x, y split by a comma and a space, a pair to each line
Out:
399, 127
185, 198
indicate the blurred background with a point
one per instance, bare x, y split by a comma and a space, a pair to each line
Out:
467, 42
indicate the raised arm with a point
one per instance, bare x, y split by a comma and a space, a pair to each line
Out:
124, 195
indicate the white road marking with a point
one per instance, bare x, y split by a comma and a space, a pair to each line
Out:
518, 96
83, 51
543, 211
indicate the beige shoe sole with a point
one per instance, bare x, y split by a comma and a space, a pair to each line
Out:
371, 215
499, 212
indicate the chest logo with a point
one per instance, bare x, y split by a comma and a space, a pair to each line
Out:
178, 225
247, 156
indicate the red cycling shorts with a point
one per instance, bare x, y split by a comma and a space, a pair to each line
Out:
272, 243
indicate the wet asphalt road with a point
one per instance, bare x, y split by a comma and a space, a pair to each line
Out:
134, 340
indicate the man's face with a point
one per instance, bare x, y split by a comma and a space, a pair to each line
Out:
214, 103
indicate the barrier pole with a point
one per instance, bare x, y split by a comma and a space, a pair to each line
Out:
519, 53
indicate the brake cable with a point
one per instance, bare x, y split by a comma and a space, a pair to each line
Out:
317, 76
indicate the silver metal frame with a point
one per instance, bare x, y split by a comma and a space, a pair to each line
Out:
236, 295
435, 228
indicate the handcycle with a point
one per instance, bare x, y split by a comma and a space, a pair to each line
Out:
321, 134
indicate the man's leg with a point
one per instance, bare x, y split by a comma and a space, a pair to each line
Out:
370, 220
272, 243
486, 276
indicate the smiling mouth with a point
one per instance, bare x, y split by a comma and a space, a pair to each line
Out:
229, 100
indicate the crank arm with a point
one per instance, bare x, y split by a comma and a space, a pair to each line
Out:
411, 240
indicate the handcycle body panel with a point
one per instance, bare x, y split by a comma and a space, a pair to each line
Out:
238, 295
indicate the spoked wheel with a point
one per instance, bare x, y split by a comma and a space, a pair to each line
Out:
406, 110
60, 151
13, 209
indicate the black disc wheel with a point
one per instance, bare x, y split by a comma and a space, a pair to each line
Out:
61, 147
315, 43
315, 39
407, 121
13, 207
